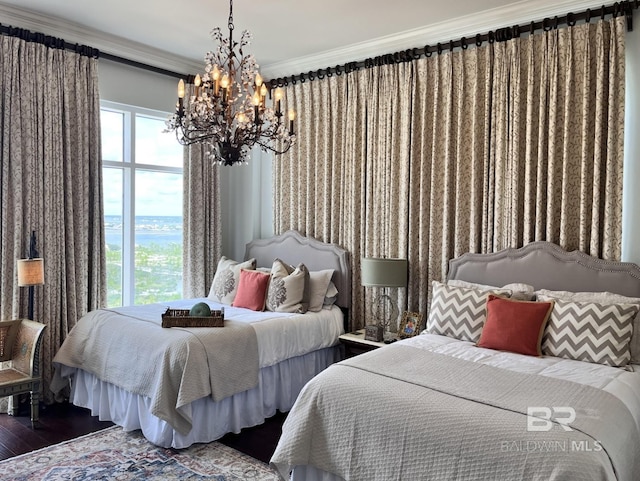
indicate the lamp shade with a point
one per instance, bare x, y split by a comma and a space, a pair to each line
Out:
378, 272
30, 272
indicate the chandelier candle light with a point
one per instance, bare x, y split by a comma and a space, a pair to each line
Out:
227, 109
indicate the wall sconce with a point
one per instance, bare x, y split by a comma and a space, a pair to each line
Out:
31, 272
384, 273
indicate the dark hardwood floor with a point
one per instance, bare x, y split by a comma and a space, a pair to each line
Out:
259, 441
57, 423
61, 422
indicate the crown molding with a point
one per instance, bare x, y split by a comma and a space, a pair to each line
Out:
513, 14
105, 42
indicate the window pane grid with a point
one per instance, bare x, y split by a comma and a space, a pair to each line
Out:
143, 207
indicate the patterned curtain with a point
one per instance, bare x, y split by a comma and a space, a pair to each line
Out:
51, 182
557, 139
202, 244
469, 151
387, 175
448, 207
319, 193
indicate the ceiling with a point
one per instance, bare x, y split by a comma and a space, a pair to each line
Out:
288, 35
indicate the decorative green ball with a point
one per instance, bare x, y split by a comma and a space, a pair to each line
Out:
201, 309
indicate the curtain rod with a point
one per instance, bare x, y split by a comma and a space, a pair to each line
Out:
500, 35
143, 66
54, 42
625, 8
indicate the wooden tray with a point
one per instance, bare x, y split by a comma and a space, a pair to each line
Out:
181, 318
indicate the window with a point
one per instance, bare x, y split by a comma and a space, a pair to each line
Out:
142, 180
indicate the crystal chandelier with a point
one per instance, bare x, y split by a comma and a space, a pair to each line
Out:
227, 108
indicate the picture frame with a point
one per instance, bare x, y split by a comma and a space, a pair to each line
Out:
410, 324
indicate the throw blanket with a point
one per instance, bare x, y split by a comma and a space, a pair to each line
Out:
172, 367
404, 413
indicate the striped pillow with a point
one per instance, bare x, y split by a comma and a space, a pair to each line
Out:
603, 298
586, 331
458, 312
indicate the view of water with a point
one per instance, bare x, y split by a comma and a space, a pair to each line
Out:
149, 229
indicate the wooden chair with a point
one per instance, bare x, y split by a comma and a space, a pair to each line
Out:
20, 364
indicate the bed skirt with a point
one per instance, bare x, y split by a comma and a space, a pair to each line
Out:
277, 389
311, 473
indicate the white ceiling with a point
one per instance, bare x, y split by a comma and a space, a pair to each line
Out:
289, 36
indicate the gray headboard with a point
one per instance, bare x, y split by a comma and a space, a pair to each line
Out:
293, 248
547, 266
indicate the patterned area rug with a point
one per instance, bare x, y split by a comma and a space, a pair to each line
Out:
115, 454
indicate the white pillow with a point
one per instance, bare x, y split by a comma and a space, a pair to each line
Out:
318, 285
288, 289
225, 282
519, 288
331, 296
518, 291
598, 297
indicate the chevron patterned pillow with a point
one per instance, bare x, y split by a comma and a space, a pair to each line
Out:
458, 312
586, 331
603, 298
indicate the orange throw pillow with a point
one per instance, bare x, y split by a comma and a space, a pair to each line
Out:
515, 326
252, 290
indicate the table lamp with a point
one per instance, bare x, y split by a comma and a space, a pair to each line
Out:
31, 272
383, 273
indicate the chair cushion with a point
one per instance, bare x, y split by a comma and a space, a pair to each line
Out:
10, 376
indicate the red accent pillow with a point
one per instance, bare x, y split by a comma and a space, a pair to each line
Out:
252, 290
515, 326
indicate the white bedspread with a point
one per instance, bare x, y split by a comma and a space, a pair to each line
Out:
280, 335
407, 429
623, 384
141, 361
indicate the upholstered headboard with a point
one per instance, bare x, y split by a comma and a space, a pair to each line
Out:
293, 248
547, 266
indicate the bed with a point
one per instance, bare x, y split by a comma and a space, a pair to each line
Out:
437, 407
193, 385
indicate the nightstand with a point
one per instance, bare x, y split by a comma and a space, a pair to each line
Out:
354, 343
